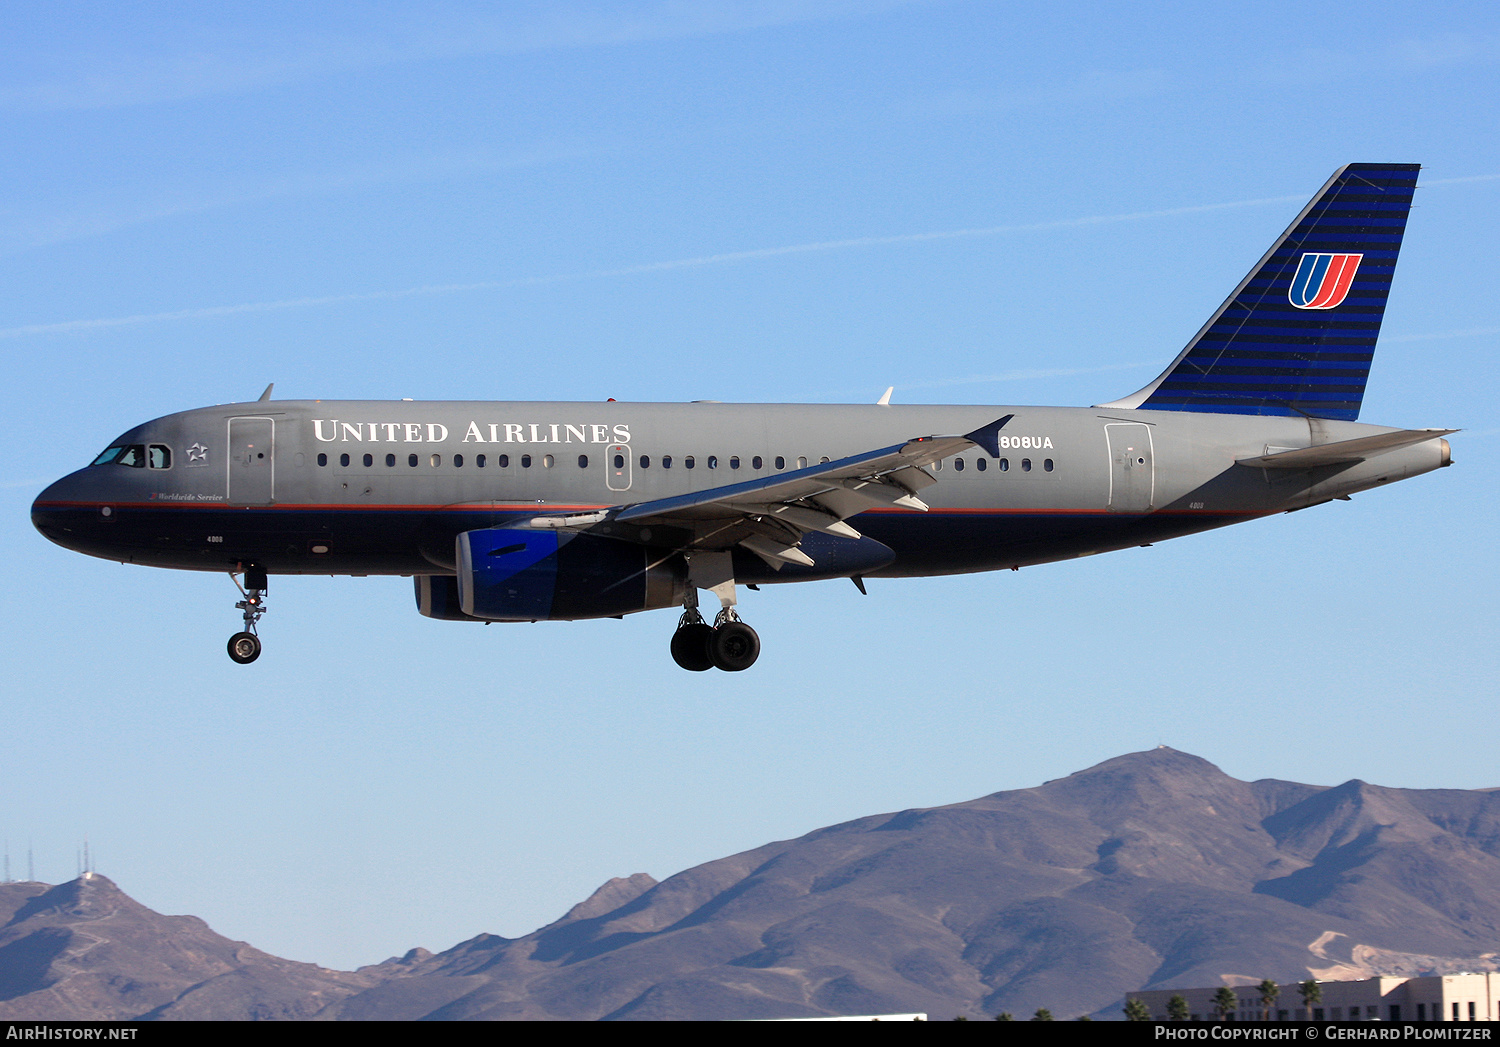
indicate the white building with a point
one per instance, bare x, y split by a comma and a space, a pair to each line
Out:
1437, 998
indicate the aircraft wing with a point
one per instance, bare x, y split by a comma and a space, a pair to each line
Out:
769, 516
1343, 452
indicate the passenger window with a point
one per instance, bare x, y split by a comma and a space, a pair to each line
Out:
322, 459
161, 457
583, 461
801, 462
479, 461
436, 460
546, 461
823, 460
713, 461
937, 466
390, 461
756, 462
502, 461
526, 461
780, 462
458, 461
1025, 465
981, 464
688, 462
734, 463
369, 460
958, 465
1005, 465
1047, 465
344, 460
411, 460
645, 461
666, 461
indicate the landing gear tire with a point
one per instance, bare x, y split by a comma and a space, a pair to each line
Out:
244, 647
690, 647
733, 646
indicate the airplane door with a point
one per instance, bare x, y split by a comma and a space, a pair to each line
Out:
617, 467
1132, 472
252, 462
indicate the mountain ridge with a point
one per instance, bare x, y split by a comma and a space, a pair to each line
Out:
1148, 870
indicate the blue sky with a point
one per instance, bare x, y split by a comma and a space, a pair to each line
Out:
806, 202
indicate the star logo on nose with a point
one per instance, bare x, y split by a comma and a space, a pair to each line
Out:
197, 455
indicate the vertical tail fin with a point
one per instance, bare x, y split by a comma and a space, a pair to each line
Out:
1297, 335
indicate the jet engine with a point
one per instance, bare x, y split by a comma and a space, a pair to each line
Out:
524, 575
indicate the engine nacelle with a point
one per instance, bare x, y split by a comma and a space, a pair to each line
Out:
437, 597
522, 575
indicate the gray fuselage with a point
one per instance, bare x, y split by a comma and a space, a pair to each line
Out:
382, 487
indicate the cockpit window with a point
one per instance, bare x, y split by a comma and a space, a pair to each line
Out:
159, 457
134, 456
108, 456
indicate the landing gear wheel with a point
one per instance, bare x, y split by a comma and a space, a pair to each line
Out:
690, 647
733, 647
244, 647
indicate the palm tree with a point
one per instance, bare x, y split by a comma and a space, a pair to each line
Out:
1268, 990
1177, 1009
1225, 1001
1136, 1011
1311, 994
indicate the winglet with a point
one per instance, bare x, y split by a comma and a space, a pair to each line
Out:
988, 436
885, 400
267, 394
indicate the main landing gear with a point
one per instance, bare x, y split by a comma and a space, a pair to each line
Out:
244, 646
729, 644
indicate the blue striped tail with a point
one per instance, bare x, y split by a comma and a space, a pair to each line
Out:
1298, 334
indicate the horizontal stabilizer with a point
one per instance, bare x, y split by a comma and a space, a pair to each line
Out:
1344, 452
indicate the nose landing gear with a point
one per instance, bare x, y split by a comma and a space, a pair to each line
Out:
244, 646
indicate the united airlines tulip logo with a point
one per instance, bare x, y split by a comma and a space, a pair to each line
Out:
1323, 280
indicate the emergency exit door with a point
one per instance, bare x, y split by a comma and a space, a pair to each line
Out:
617, 467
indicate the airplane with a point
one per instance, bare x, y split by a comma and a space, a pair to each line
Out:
517, 511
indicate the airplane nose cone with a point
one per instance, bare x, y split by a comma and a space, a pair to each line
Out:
44, 510
64, 513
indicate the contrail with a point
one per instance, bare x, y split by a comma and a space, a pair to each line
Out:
725, 258
698, 261
1027, 374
